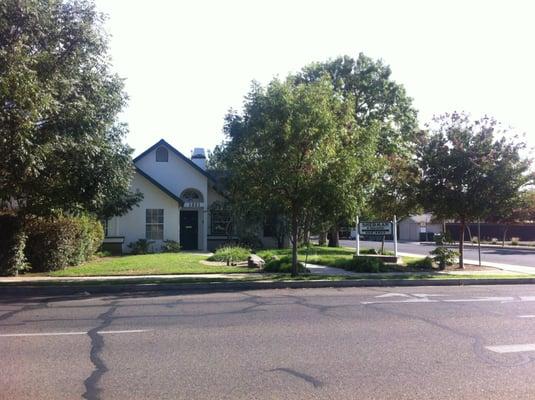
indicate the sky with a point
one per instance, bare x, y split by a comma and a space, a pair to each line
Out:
186, 63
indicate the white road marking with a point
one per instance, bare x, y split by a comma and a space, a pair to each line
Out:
126, 331
420, 298
413, 300
508, 298
392, 295
428, 295
512, 348
526, 316
70, 333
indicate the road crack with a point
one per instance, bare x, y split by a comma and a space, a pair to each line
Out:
92, 389
307, 378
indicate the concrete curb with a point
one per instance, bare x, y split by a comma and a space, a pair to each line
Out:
183, 288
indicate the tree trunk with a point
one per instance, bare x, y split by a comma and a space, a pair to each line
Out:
334, 240
322, 240
306, 239
383, 245
469, 232
504, 237
295, 238
461, 243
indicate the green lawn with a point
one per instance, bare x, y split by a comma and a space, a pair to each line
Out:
328, 256
148, 264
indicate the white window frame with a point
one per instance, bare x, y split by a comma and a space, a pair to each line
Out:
154, 218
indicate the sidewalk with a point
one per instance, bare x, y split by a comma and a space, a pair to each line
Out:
127, 278
522, 269
318, 270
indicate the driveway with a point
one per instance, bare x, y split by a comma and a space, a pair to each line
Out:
518, 257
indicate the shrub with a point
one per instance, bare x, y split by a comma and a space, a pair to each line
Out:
170, 246
52, 243
444, 257
268, 256
366, 264
283, 265
439, 239
89, 236
12, 243
515, 241
422, 263
140, 246
369, 251
230, 254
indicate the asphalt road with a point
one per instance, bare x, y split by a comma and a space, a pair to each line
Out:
472, 342
496, 255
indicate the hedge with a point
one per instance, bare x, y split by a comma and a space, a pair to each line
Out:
55, 243
12, 242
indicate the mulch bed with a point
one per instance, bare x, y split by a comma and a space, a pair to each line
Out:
451, 268
469, 267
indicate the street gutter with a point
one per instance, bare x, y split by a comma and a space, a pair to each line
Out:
182, 288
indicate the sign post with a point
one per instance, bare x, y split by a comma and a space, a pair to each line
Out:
479, 240
357, 236
395, 232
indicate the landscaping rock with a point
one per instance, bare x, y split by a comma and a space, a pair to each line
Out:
254, 261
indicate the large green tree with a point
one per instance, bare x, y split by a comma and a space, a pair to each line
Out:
292, 144
378, 103
468, 173
60, 141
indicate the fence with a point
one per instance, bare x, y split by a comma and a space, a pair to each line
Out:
525, 232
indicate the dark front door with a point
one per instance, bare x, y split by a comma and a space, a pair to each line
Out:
189, 229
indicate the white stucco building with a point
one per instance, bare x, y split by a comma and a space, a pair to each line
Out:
177, 194
419, 227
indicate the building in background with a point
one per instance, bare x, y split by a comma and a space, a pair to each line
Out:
419, 228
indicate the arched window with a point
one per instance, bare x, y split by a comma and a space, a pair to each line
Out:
161, 154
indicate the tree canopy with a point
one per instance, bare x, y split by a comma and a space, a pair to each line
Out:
60, 140
380, 103
293, 145
467, 172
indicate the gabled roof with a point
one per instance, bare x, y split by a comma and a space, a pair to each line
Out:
159, 186
162, 142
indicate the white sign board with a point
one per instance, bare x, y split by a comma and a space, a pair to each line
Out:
375, 228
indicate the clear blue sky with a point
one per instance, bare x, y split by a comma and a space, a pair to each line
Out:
187, 62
